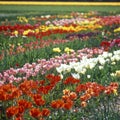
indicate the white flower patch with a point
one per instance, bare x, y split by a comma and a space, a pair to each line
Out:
89, 63
63, 67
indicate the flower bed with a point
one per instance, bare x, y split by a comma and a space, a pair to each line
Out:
60, 67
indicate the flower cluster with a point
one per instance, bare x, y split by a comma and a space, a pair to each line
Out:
66, 102
82, 66
30, 97
43, 65
64, 80
74, 25
109, 20
68, 25
93, 89
34, 91
108, 44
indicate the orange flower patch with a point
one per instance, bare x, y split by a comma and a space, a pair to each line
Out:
28, 86
35, 94
9, 92
24, 103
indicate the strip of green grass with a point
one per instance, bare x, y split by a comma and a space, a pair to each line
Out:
48, 8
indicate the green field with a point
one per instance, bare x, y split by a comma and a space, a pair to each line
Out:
11, 11
55, 9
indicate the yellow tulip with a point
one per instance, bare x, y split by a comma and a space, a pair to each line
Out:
57, 49
118, 73
68, 50
115, 92
117, 30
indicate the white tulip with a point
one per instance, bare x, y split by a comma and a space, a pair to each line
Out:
74, 64
113, 63
102, 61
83, 71
100, 67
88, 76
110, 55
59, 69
107, 60
75, 75
78, 69
117, 52
92, 65
105, 54
117, 57
61, 76
113, 74
112, 59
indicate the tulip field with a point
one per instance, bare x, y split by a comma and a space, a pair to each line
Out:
59, 63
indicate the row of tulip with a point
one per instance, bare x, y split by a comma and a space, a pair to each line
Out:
57, 24
43, 65
73, 57
52, 27
22, 48
51, 17
61, 26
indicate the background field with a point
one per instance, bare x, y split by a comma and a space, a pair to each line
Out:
10, 11
38, 8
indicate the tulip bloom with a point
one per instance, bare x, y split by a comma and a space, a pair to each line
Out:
45, 112
11, 111
56, 104
83, 104
35, 112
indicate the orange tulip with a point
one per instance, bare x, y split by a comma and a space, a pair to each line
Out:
68, 105
66, 91
73, 96
26, 104
71, 80
11, 111
45, 112
35, 112
83, 104
85, 97
57, 104
65, 97
9, 92
39, 102
21, 109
